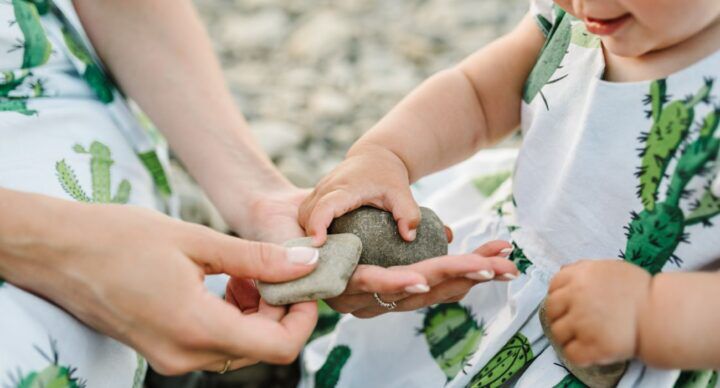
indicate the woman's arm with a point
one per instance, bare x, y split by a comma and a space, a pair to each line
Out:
137, 275
160, 54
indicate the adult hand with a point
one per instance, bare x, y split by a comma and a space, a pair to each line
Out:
448, 279
137, 276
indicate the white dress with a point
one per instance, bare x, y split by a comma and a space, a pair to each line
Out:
605, 170
65, 131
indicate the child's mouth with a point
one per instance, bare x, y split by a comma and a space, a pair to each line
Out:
605, 26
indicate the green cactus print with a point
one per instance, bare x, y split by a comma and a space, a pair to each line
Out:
36, 46
487, 184
140, 371
152, 163
654, 233
697, 379
327, 320
550, 59
18, 106
452, 334
671, 125
11, 81
517, 256
43, 6
329, 374
53, 376
509, 360
100, 163
93, 75
570, 381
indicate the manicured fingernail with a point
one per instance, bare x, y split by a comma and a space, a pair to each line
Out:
417, 288
481, 275
303, 255
505, 252
412, 233
508, 276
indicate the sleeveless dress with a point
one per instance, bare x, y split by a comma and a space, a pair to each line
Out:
66, 131
605, 170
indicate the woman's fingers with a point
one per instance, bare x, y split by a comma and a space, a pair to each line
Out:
494, 248
219, 253
472, 266
371, 278
243, 294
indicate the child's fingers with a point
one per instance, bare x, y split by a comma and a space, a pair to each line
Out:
563, 330
557, 304
494, 248
405, 211
327, 208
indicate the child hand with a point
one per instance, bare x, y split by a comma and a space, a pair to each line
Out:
594, 309
373, 176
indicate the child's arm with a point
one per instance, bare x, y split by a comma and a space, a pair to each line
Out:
445, 120
610, 310
160, 54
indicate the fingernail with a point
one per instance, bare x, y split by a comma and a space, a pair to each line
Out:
505, 252
417, 288
412, 233
303, 255
481, 275
508, 276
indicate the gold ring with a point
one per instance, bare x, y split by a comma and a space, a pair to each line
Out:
227, 366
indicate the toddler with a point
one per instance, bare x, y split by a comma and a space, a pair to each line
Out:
612, 210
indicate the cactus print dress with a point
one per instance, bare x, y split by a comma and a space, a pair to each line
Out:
605, 170
67, 132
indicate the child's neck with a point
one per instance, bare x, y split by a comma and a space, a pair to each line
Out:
662, 63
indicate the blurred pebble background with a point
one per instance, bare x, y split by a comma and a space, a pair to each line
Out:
312, 75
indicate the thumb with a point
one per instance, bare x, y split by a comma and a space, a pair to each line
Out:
219, 253
406, 213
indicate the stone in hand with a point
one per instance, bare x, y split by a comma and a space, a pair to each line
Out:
594, 376
338, 259
381, 241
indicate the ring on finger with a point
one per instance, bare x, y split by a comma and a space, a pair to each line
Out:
226, 367
382, 303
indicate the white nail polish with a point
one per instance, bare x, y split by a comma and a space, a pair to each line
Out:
303, 255
505, 252
509, 276
417, 288
481, 275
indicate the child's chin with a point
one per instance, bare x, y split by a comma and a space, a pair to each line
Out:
625, 49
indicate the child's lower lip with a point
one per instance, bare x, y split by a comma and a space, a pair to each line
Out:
605, 26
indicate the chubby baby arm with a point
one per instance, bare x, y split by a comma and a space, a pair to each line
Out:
445, 120
605, 311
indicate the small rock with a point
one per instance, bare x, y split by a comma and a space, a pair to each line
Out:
338, 259
329, 103
595, 376
325, 33
381, 241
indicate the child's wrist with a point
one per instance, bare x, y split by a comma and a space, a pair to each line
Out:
376, 151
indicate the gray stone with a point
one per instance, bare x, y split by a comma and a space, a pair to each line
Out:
595, 376
338, 259
381, 241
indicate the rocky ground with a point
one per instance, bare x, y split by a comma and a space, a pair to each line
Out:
312, 75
